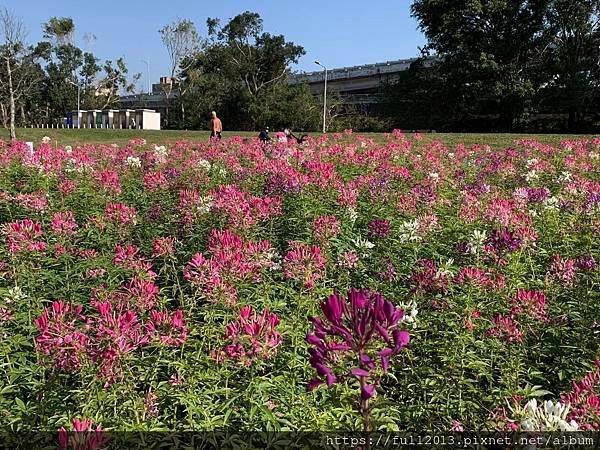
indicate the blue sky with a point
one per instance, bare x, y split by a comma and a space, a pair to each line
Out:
339, 33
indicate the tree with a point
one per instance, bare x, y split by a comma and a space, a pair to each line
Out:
242, 72
419, 99
113, 83
256, 58
182, 41
60, 30
19, 63
67, 67
487, 52
573, 63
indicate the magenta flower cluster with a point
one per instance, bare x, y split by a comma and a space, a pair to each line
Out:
252, 337
233, 261
357, 337
72, 340
304, 263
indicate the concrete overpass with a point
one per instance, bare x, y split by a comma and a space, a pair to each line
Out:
356, 84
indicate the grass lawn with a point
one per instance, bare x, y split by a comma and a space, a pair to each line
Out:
94, 136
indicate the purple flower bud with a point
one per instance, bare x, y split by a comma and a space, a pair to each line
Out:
389, 311
361, 325
322, 369
313, 384
330, 379
332, 309
385, 352
385, 363
382, 332
318, 323
313, 340
366, 361
358, 299
344, 333
367, 391
359, 372
396, 317
342, 346
401, 339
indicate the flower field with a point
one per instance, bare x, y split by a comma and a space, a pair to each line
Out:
344, 284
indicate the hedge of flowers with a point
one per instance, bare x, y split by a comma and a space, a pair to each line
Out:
342, 284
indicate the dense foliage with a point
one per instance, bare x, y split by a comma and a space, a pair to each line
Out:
201, 286
503, 65
242, 72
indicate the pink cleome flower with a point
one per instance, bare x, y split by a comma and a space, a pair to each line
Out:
163, 247
24, 235
232, 261
61, 336
83, 436
170, 329
120, 214
251, 337
304, 263
531, 303
63, 224
505, 328
563, 270
326, 227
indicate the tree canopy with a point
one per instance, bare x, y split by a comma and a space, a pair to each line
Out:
242, 72
500, 63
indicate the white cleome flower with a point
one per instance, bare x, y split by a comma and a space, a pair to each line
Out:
363, 244
434, 176
15, 294
445, 269
476, 241
551, 204
275, 260
565, 177
531, 175
549, 416
352, 214
160, 151
204, 165
46, 140
409, 231
132, 161
531, 162
410, 313
205, 204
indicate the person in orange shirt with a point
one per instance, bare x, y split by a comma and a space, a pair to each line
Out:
217, 126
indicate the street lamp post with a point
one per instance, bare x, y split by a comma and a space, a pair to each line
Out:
324, 98
78, 101
147, 73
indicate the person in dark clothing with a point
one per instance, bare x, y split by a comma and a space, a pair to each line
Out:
299, 140
264, 135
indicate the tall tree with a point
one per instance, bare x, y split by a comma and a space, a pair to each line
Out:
573, 64
242, 71
487, 51
19, 63
113, 83
182, 41
60, 30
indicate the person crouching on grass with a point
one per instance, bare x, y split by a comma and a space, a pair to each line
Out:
216, 126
